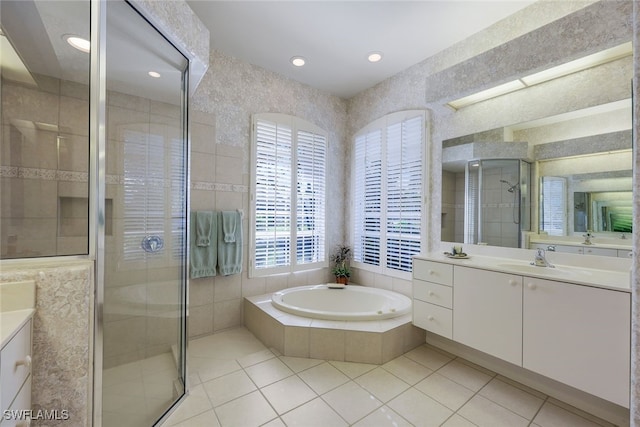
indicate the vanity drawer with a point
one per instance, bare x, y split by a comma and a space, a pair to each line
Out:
435, 272
21, 405
433, 318
15, 364
433, 293
600, 251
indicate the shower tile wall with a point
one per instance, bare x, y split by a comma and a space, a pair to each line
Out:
448, 223
43, 165
498, 208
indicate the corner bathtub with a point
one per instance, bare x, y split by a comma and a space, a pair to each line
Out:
349, 303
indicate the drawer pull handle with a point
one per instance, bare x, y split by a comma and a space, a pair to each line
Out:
431, 272
26, 362
531, 286
430, 318
513, 282
431, 293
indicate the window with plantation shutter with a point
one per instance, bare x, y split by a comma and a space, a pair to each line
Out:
388, 192
554, 205
154, 196
288, 195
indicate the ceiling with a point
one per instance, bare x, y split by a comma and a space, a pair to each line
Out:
336, 36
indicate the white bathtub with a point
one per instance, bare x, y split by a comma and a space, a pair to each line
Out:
349, 303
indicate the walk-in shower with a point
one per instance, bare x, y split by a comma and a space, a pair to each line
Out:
497, 201
93, 167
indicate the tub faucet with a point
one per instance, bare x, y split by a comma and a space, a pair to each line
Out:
541, 260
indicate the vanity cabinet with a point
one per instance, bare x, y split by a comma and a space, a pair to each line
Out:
574, 333
433, 297
487, 312
15, 374
578, 335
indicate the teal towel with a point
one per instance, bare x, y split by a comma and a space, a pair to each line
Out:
203, 258
204, 222
229, 222
230, 253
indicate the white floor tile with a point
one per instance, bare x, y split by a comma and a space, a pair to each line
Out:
196, 403
323, 378
268, 372
382, 384
228, 387
351, 401
457, 421
215, 368
485, 413
313, 414
512, 398
465, 375
288, 394
206, 419
251, 410
551, 415
352, 369
442, 389
407, 370
383, 417
420, 409
428, 357
298, 364
255, 358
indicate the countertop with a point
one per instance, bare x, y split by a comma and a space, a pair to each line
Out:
12, 321
617, 280
595, 244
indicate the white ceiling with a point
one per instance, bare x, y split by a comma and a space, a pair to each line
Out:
336, 36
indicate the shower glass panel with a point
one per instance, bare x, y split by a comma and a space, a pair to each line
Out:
144, 275
497, 201
44, 135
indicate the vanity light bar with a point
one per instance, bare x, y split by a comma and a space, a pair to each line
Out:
571, 67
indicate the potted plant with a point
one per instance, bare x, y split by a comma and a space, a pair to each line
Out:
340, 259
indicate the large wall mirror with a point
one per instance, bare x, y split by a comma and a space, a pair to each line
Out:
580, 157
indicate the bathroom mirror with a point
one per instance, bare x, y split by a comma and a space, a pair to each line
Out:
588, 149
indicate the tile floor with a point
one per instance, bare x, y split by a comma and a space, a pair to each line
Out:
236, 381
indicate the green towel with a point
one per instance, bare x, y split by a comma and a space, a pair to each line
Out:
230, 253
203, 257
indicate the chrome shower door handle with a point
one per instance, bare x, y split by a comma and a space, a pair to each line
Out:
152, 243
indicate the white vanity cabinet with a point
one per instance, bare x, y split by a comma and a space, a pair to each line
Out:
433, 297
487, 312
578, 335
15, 374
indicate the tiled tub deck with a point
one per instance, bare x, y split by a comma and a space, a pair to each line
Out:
376, 342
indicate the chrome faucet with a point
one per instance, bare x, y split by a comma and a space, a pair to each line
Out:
541, 260
588, 237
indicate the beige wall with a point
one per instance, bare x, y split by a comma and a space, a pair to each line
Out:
230, 92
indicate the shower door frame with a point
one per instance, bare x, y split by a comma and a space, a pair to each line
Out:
97, 195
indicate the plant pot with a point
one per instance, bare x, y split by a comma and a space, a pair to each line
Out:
342, 280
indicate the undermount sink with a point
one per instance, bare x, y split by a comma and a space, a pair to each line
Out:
528, 268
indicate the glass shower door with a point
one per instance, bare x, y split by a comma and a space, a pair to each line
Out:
144, 312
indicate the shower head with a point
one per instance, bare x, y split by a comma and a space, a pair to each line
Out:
512, 187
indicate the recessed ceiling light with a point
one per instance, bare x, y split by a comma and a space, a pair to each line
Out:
374, 57
154, 74
79, 43
298, 61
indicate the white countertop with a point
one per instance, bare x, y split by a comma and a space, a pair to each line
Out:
618, 280
609, 244
12, 321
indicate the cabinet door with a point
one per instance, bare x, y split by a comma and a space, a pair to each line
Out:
578, 335
487, 312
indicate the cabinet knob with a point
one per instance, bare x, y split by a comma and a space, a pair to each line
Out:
430, 293
531, 286
26, 362
431, 272
512, 282
429, 317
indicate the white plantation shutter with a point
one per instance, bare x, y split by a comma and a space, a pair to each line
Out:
388, 176
288, 195
368, 197
312, 153
154, 196
554, 206
404, 192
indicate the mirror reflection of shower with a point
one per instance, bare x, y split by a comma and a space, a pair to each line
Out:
514, 188
494, 216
